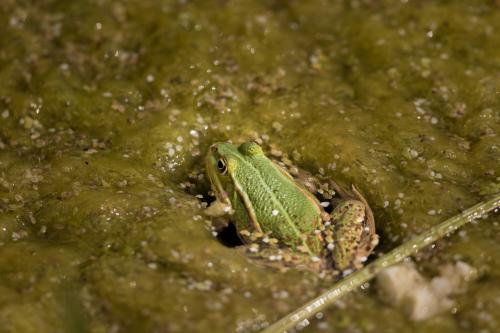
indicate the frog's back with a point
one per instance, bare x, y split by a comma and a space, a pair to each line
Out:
281, 206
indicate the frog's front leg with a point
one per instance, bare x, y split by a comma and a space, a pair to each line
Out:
219, 211
353, 235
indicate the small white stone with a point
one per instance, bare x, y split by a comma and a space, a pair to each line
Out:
275, 212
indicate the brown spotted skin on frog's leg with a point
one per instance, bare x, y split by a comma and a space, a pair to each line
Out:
354, 230
351, 230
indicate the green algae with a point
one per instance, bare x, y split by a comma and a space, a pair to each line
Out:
106, 111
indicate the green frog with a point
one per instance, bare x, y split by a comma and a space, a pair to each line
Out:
267, 203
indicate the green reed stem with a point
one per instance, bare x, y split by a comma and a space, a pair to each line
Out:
299, 317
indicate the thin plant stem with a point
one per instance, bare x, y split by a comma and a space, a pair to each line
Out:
299, 317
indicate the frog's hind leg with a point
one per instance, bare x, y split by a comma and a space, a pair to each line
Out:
354, 194
353, 239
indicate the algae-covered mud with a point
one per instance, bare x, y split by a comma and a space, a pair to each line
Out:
108, 107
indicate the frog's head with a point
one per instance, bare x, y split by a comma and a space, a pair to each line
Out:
222, 162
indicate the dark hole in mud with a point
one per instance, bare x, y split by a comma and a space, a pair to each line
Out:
229, 237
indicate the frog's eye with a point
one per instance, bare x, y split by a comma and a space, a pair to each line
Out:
222, 166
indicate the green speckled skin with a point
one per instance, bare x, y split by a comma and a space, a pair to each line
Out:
256, 185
